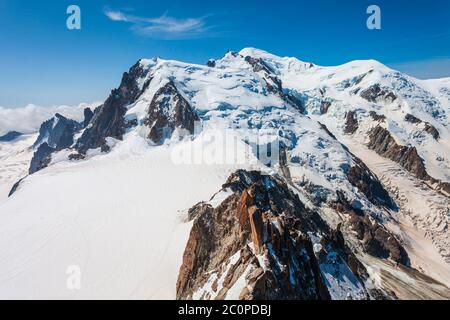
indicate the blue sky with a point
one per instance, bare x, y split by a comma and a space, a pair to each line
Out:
44, 63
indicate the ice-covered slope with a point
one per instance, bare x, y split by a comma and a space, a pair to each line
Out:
115, 202
15, 157
331, 92
119, 218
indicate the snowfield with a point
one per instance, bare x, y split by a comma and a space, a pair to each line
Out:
124, 225
15, 160
120, 217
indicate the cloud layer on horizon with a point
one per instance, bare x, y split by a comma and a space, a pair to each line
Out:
28, 119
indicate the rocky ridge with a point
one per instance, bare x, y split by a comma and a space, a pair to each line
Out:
302, 232
261, 242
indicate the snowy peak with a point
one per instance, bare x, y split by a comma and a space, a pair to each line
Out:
331, 171
109, 120
57, 132
275, 61
168, 111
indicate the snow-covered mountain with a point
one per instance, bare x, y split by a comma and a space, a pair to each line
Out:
252, 177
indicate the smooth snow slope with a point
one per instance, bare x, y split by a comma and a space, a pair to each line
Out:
123, 225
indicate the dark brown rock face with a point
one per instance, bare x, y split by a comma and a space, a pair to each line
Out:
259, 64
410, 118
432, 130
384, 144
274, 84
351, 124
428, 127
361, 177
279, 263
108, 119
377, 117
375, 94
257, 244
168, 111
376, 240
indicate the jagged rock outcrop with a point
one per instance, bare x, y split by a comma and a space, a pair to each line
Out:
412, 119
41, 158
432, 131
428, 127
375, 238
58, 132
259, 64
351, 123
317, 225
10, 136
384, 144
108, 120
324, 127
168, 111
262, 243
273, 84
88, 114
15, 187
361, 177
377, 94
54, 135
377, 117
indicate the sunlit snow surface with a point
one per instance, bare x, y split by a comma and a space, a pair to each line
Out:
120, 217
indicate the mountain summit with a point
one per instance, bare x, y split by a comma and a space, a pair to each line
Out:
250, 177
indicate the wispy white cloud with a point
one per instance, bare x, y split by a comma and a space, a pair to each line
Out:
116, 15
163, 27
